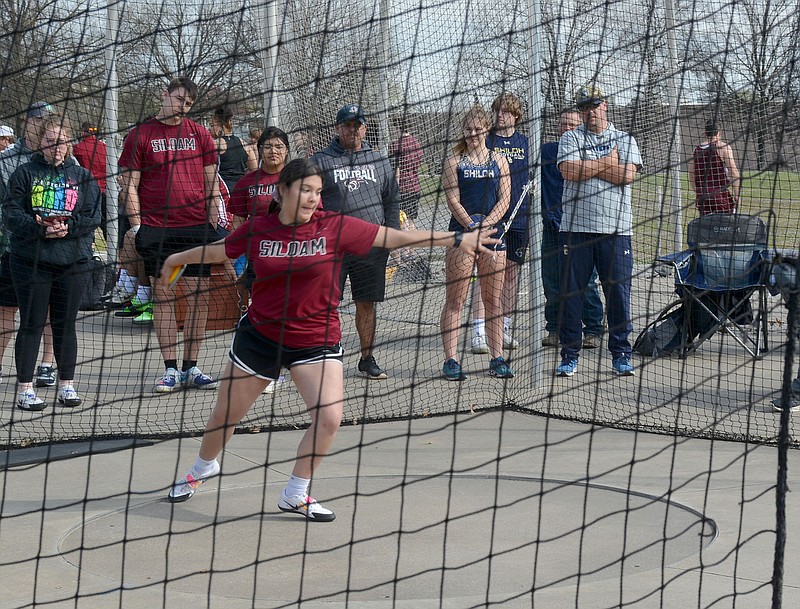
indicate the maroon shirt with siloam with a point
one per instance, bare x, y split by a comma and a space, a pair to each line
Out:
171, 159
296, 292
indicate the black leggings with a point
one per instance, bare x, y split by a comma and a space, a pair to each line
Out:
40, 288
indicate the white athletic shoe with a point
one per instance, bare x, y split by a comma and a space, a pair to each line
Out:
305, 506
479, 344
186, 486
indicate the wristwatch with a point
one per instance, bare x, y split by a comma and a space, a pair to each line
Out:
458, 237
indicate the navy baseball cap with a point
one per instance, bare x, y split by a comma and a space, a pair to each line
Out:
351, 112
589, 95
39, 110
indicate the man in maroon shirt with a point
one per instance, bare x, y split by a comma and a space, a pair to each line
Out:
172, 204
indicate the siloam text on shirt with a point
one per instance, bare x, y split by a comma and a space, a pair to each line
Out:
261, 190
282, 249
54, 195
355, 175
174, 144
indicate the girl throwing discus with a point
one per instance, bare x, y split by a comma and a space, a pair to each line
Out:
297, 253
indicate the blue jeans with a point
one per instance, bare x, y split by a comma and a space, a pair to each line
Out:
592, 314
612, 256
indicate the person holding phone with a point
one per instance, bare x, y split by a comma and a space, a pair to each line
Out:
52, 209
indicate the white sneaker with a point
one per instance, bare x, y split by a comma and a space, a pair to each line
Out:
274, 385
186, 486
28, 400
118, 297
67, 396
509, 342
479, 344
305, 506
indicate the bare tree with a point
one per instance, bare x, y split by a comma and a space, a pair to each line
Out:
50, 50
747, 57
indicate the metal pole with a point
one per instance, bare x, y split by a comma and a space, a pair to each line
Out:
111, 130
535, 166
383, 117
673, 96
268, 34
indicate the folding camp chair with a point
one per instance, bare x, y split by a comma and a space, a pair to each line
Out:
727, 264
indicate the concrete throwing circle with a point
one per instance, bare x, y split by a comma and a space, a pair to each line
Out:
405, 539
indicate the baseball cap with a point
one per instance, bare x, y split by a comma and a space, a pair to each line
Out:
589, 95
39, 109
351, 112
6, 131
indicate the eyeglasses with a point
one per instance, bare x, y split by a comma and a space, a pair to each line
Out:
271, 147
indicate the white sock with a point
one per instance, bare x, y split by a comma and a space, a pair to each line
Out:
202, 467
297, 486
127, 282
143, 293
479, 327
507, 325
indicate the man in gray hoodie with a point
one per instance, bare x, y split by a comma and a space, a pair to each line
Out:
359, 182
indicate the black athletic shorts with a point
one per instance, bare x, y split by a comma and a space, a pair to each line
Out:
367, 275
257, 355
8, 297
516, 244
154, 244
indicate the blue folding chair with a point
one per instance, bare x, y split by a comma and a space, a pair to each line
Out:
726, 266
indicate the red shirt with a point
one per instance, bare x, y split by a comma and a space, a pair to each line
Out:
711, 181
252, 194
296, 292
91, 154
408, 154
171, 159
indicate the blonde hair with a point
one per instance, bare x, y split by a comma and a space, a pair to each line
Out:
476, 112
55, 121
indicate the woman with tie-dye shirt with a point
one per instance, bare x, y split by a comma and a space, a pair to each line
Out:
52, 210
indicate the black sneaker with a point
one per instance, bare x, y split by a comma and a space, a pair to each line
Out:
45, 376
369, 368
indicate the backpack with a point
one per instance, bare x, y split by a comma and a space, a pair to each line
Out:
662, 336
100, 278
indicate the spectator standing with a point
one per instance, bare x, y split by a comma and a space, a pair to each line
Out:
11, 159
599, 164
552, 191
235, 159
406, 156
300, 330
52, 210
91, 154
172, 204
714, 175
477, 186
7, 137
359, 182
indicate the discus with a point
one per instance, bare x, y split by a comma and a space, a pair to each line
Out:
176, 274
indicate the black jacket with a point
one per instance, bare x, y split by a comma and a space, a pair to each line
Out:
38, 188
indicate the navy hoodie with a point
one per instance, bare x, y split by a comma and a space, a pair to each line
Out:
38, 188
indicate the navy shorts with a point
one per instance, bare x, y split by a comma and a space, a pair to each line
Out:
155, 243
367, 275
517, 244
8, 297
261, 357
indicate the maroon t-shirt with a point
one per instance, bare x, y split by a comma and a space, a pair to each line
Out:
91, 154
711, 181
408, 153
171, 159
253, 194
296, 292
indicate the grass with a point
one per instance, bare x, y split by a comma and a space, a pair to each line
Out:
654, 218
